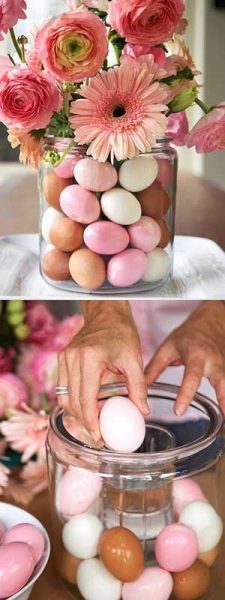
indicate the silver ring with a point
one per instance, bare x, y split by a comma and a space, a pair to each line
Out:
62, 390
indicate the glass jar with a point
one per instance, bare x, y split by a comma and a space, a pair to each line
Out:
92, 238
170, 487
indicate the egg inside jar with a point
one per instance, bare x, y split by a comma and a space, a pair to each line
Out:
112, 224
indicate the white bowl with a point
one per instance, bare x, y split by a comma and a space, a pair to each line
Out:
11, 515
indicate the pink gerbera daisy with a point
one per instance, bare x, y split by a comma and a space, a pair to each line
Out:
121, 112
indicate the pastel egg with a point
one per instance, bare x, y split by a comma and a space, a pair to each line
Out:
95, 176
185, 491
66, 169
209, 557
205, 522
80, 204
77, 491
29, 534
66, 235
96, 583
52, 188
87, 269
121, 206
153, 583
81, 535
176, 548
193, 583
67, 565
154, 201
16, 567
138, 173
126, 268
105, 237
55, 265
158, 266
122, 425
50, 218
122, 553
165, 233
145, 234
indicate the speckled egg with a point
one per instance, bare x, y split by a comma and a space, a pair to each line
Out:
121, 206
158, 266
176, 548
81, 535
66, 169
154, 583
66, 235
80, 204
87, 269
193, 583
105, 237
95, 582
127, 268
205, 522
139, 173
77, 491
95, 176
165, 233
122, 553
52, 188
145, 234
55, 265
17, 563
50, 218
154, 201
28, 534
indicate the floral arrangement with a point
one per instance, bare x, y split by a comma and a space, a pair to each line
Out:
111, 75
30, 339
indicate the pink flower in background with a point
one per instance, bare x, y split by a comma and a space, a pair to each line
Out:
102, 5
177, 128
13, 392
26, 432
28, 99
136, 50
6, 360
209, 133
121, 111
35, 476
146, 21
65, 331
41, 323
43, 373
5, 64
182, 26
4, 477
10, 12
30, 148
73, 46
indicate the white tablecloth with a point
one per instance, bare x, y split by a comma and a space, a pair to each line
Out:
199, 271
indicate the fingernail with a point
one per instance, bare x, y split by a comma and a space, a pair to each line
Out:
180, 410
145, 407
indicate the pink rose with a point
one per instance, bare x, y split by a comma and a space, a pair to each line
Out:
209, 133
136, 50
146, 21
10, 12
38, 369
178, 128
28, 99
66, 330
6, 360
13, 392
73, 46
41, 323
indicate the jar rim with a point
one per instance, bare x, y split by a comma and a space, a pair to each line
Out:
200, 401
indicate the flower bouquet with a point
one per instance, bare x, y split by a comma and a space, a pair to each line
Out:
96, 96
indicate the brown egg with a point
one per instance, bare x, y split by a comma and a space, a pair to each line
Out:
66, 235
87, 269
209, 557
67, 565
52, 188
165, 234
122, 553
193, 583
154, 201
55, 265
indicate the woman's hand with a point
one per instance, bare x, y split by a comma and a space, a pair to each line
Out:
108, 342
199, 345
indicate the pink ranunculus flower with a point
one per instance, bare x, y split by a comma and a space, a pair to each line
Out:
208, 135
10, 12
73, 46
5, 64
146, 21
66, 330
6, 360
28, 99
41, 323
178, 128
13, 392
26, 431
136, 50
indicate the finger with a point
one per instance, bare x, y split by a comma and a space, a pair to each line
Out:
73, 373
218, 383
62, 380
91, 375
193, 374
165, 356
137, 386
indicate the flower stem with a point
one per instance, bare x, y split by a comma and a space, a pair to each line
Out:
202, 105
15, 43
66, 151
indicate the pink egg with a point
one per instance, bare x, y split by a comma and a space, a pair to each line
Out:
80, 204
2, 530
127, 268
77, 491
29, 534
165, 172
184, 492
145, 234
122, 425
154, 583
176, 548
65, 170
105, 237
16, 567
95, 176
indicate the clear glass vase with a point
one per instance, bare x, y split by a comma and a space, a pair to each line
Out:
174, 479
110, 230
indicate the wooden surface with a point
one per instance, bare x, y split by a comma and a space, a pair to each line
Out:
200, 207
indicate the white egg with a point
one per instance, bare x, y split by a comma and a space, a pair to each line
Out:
121, 206
122, 425
138, 173
81, 535
159, 265
51, 216
205, 522
95, 582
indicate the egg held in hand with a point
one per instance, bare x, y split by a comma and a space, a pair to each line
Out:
122, 425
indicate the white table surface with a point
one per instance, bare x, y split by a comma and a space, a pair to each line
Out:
199, 272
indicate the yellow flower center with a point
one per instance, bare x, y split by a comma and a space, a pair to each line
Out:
72, 49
